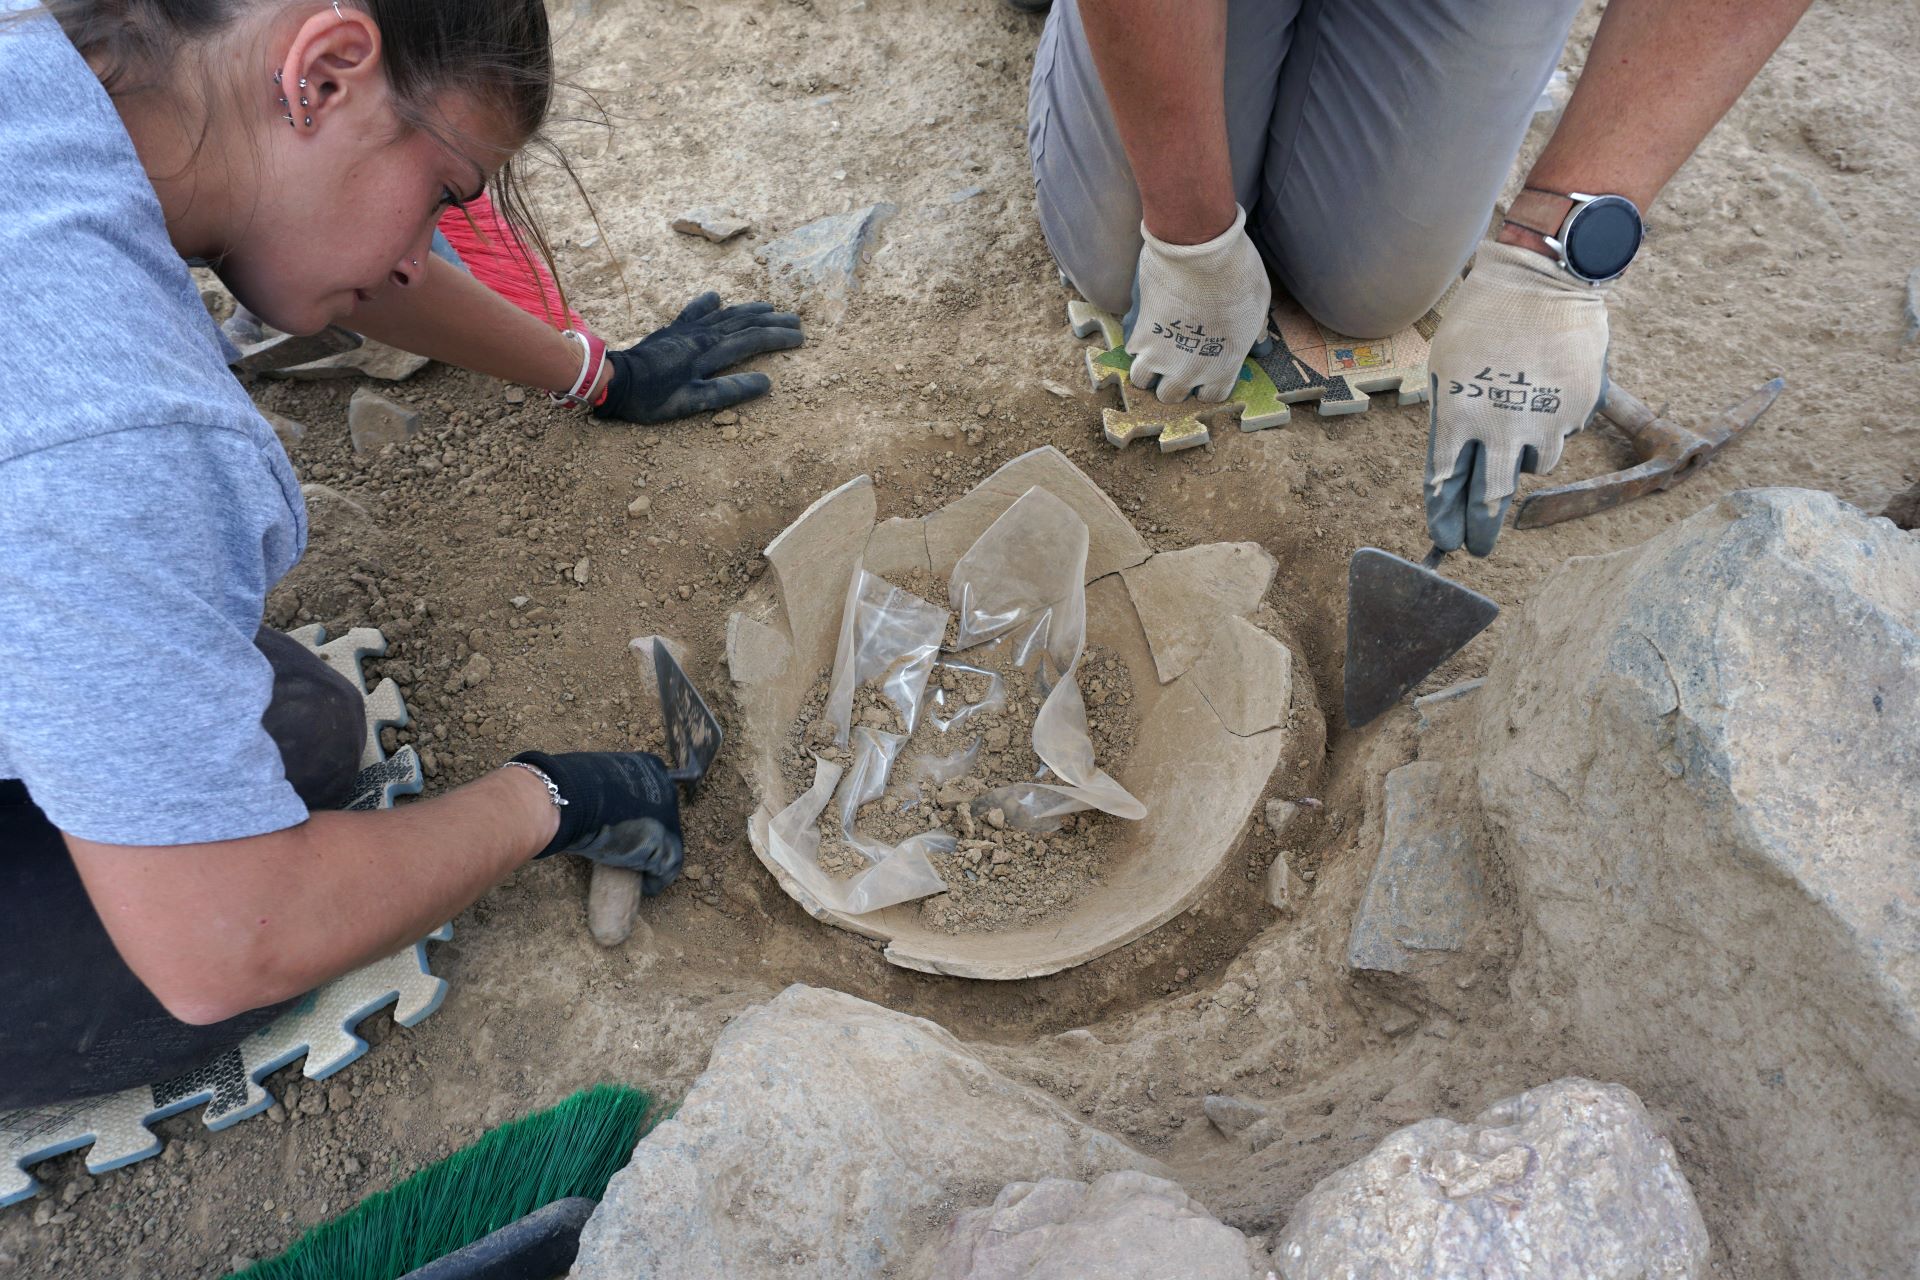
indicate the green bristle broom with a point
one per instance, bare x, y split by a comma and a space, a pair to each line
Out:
569, 1150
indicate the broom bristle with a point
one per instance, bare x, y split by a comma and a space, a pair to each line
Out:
501, 260
572, 1149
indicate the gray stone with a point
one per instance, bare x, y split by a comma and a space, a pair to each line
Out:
1283, 887
1231, 1115
374, 421
1280, 816
1700, 765
1181, 596
823, 1139
1426, 890
289, 431
371, 359
717, 223
824, 256
1910, 312
1125, 1226
582, 570
268, 355
1569, 1179
1904, 508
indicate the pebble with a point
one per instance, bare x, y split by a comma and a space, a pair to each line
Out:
373, 421
725, 418
997, 819
639, 507
479, 667
582, 569
339, 1097
516, 395
521, 602
695, 872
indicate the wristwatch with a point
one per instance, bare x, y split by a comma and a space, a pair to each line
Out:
1598, 238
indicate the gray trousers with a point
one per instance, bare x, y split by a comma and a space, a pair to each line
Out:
1369, 140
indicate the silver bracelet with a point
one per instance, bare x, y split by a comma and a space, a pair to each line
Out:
552, 790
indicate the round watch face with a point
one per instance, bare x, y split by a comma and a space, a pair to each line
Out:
1603, 237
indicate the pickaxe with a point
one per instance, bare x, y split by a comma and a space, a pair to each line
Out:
1668, 454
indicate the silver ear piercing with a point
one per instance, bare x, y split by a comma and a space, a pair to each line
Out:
287, 114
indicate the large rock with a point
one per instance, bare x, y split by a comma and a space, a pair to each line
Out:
1126, 1226
826, 1135
1569, 1179
1700, 764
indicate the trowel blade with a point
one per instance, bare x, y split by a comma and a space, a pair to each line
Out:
693, 732
1403, 620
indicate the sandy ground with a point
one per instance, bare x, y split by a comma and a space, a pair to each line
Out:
1782, 248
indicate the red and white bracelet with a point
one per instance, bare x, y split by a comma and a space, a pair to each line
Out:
593, 359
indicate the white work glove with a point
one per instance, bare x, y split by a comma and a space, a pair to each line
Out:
1519, 364
1198, 310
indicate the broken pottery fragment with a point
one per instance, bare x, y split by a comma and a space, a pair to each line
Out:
1246, 676
1201, 777
812, 560
1112, 541
1181, 595
898, 548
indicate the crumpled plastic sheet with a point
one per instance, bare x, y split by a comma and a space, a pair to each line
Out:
1003, 588
886, 633
1022, 583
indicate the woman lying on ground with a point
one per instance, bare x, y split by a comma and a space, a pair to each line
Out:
173, 868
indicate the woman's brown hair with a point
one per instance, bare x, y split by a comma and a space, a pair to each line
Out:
499, 52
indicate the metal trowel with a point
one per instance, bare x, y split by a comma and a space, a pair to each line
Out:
693, 731
694, 738
1403, 621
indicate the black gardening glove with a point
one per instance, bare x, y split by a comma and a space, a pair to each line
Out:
668, 374
621, 809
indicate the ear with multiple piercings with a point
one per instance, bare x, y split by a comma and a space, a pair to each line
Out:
287, 113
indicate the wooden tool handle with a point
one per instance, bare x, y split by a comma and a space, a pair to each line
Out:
613, 900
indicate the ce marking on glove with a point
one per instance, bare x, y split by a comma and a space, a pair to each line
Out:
1519, 395
1191, 338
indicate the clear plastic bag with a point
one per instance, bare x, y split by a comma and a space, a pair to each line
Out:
901, 876
886, 633
1021, 584
1024, 578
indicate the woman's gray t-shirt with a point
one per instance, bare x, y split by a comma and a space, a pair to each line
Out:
145, 506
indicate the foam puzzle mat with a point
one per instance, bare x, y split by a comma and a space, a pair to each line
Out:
320, 1028
1308, 361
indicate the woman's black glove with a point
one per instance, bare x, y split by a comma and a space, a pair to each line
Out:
668, 374
621, 809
